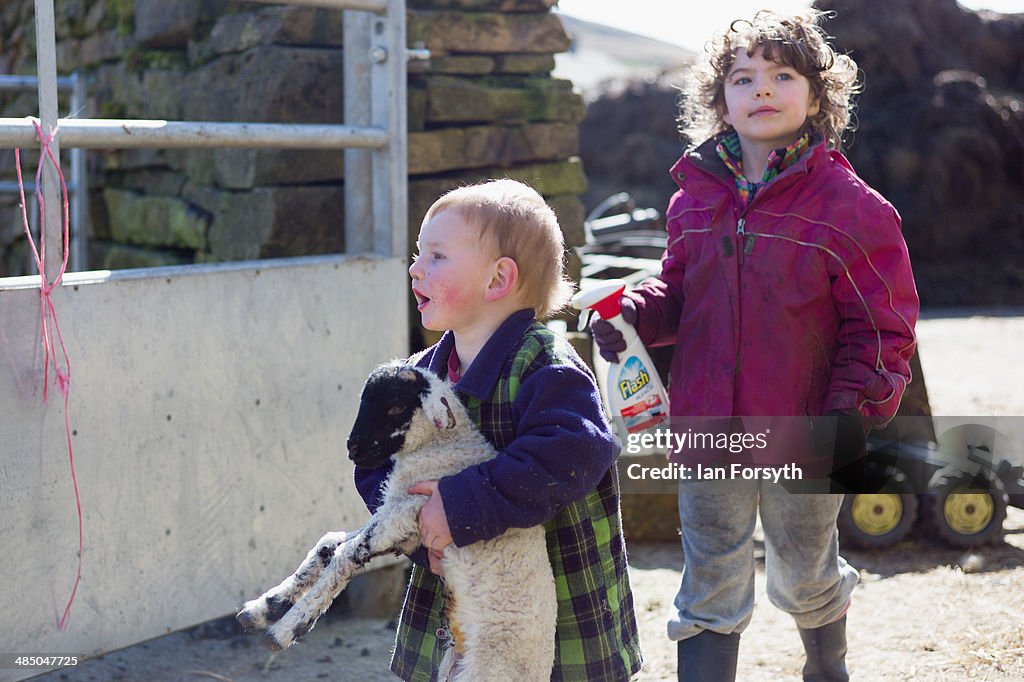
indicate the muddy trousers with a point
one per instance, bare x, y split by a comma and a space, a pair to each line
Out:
806, 576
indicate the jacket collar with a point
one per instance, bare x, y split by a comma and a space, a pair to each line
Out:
705, 157
481, 378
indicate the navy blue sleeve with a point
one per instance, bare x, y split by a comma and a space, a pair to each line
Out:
562, 448
370, 484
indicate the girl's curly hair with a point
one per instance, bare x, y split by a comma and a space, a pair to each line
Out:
797, 41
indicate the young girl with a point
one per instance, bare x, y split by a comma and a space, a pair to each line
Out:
787, 290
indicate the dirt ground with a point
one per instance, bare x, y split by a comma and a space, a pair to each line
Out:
922, 611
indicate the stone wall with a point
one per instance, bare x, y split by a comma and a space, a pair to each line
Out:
484, 106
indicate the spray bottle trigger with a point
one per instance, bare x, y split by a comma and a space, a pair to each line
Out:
584, 319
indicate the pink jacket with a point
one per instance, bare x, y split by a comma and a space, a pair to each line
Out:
802, 304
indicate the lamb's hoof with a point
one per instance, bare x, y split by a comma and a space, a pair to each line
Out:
250, 622
271, 643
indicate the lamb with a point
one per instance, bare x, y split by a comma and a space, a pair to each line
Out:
500, 593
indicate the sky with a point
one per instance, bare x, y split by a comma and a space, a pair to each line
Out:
689, 24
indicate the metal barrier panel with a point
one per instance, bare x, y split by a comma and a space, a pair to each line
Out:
209, 412
209, 404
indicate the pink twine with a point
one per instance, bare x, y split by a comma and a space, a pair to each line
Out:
49, 327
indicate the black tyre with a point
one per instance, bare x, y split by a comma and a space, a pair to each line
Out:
879, 519
965, 510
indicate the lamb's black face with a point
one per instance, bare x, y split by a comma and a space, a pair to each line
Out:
390, 396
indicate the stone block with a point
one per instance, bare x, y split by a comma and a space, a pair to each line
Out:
524, 63
570, 212
273, 83
248, 168
555, 179
163, 94
71, 19
196, 164
487, 32
305, 26
417, 108
149, 181
134, 159
90, 50
486, 5
463, 65
464, 100
422, 194
116, 90
163, 24
271, 222
154, 220
480, 146
551, 179
107, 256
94, 17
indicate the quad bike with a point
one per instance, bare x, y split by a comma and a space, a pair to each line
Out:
960, 500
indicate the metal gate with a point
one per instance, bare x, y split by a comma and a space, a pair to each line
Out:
208, 404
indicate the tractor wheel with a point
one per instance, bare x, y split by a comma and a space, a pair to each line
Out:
966, 510
880, 519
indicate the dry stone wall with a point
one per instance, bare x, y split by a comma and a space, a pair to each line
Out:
485, 105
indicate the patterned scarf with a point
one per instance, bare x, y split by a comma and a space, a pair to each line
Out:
779, 160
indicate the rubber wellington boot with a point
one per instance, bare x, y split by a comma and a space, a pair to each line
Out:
708, 657
826, 653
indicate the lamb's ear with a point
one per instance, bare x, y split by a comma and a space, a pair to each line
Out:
451, 416
407, 375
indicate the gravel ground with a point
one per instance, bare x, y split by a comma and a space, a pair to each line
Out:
921, 612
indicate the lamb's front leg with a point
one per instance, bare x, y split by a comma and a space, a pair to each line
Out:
392, 532
258, 614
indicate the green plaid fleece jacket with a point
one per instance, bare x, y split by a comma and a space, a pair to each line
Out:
596, 633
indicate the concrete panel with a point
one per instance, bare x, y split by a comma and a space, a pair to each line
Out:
209, 410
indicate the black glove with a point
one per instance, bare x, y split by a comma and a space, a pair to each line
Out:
609, 340
851, 437
844, 445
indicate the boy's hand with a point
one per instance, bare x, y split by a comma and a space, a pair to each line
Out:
433, 522
609, 340
435, 562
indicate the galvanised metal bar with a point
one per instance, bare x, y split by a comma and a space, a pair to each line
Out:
11, 83
358, 162
378, 6
80, 184
389, 58
135, 134
46, 68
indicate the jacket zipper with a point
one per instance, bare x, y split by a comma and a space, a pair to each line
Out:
741, 238
744, 242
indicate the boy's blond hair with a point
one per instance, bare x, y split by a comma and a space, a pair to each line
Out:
515, 220
797, 41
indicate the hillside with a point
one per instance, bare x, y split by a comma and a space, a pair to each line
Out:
601, 54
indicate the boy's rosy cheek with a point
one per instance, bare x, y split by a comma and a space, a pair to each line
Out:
455, 296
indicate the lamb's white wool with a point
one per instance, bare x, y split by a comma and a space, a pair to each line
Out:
502, 589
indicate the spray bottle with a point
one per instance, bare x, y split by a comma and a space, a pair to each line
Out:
636, 399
